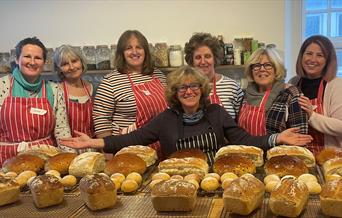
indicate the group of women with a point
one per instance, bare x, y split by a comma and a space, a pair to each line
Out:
194, 107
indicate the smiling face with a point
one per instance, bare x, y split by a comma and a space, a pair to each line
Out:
71, 68
134, 55
31, 62
263, 77
189, 95
203, 59
313, 61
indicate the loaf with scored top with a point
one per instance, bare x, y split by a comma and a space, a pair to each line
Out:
302, 153
331, 198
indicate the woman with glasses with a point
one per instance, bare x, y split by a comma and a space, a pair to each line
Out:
270, 106
189, 122
316, 77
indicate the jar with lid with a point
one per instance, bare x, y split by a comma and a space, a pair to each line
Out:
102, 57
175, 56
48, 66
161, 52
89, 54
5, 66
112, 56
12, 59
152, 52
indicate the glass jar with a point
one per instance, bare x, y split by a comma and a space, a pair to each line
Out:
102, 57
5, 66
175, 56
48, 66
112, 56
152, 52
12, 59
89, 54
161, 52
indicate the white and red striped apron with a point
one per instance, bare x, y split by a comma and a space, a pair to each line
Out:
253, 118
317, 144
25, 122
150, 101
214, 98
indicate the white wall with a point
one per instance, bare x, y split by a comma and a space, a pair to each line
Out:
81, 22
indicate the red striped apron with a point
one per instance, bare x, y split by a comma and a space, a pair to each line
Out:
252, 118
214, 98
25, 122
317, 143
150, 101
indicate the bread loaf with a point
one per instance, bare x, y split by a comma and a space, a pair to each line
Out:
9, 190
234, 163
300, 152
125, 163
174, 195
254, 153
60, 162
22, 163
285, 165
243, 195
333, 166
289, 198
331, 198
191, 152
184, 166
46, 191
148, 154
87, 163
98, 191
327, 154
42, 151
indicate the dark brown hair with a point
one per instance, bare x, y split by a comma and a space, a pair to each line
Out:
30, 41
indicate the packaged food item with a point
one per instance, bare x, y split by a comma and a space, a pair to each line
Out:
161, 53
89, 54
175, 56
102, 57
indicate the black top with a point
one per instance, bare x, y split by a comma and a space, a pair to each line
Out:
310, 87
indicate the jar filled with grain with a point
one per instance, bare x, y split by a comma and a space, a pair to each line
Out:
112, 56
5, 65
12, 59
48, 66
161, 52
175, 56
102, 57
89, 54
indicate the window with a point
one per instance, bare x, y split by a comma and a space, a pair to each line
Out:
324, 17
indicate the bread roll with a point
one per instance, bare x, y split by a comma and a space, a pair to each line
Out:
129, 185
215, 175
178, 177
314, 187
68, 181
194, 176
11, 174
271, 185
289, 198
234, 163
271, 177
87, 163
190, 152
243, 195
285, 165
174, 195
163, 176
118, 176
184, 166
125, 163
9, 190
46, 191
333, 166
328, 153
54, 173
148, 154
331, 198
22, 163
23, 177
135, 176
254, 153
307, 178
226, 183
296, 151
194, 182
210, 184
98, 192
60, 162
332, 177
228, 175
154, 182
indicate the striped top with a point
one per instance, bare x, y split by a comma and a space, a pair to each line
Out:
114, 103
231, 95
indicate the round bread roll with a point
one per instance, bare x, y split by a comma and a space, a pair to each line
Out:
228, 175
103, 174
215, 175
193, 181
135, 176
129, 185
125, 163
117, 182
28, 174
60, 162
332, 177
209, 184
53, 172
285, 165
21, 180
11, 174
163, 176
234, 163
154, 182
226, 182
193, 176
272, 177
118, 176
191, 152
307, 178
314, 187
68, 181
271, 185
177, 177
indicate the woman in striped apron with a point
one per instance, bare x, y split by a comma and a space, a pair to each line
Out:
70, 66
32, 111
316, 77
190, 122
270, 106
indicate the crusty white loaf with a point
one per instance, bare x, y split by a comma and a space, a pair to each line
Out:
174, 195
333, 166
254, 153
184, 166
148, 154
46, 191
300, 152
289, 197
87, 163
98, 191
331, 198
243, 195
9, 190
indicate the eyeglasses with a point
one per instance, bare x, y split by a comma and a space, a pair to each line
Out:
192, 86
257, 67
